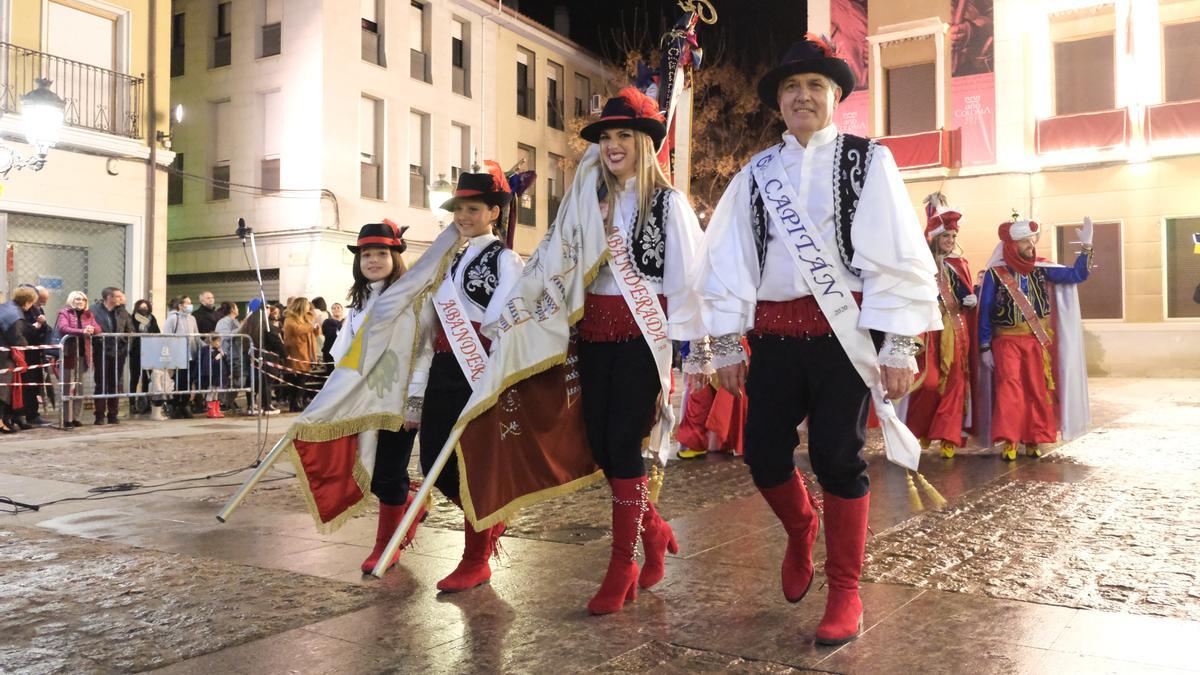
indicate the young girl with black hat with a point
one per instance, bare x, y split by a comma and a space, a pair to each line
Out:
471, 294
377, 265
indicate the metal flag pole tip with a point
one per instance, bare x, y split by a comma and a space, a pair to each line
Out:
253, 479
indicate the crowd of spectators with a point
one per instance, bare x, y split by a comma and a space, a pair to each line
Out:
287, 355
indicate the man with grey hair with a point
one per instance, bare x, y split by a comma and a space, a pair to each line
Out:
108, 352
815, 255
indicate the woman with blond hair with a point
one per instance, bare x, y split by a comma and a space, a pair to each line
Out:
76, 322
620, 377
300, 342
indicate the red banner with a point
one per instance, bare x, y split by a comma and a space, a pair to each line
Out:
973, 99
530, 445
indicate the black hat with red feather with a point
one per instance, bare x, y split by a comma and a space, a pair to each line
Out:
814, 54
629, 109
386, 234
490, 187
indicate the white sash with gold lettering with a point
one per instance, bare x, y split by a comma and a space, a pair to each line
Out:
789, 215
464, 340
643, 304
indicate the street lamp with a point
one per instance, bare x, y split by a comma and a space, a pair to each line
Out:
42, 114
439, 192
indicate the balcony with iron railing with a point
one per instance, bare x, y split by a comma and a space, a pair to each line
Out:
96, 99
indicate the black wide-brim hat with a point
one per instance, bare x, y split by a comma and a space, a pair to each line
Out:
491, 188
629, 109
386, 234
814, 54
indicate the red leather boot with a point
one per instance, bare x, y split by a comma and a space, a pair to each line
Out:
845, 542
657, 539
389, 520
629, 502
791, 505
473, 570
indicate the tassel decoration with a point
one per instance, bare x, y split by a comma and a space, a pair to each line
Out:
656, 481
914, 497
935, 498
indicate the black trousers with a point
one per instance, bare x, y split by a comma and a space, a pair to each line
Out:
389, 480
791, 379
445, 397
32, 380
619, 388
107, 376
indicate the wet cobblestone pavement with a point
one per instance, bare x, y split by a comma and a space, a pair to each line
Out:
1087, 560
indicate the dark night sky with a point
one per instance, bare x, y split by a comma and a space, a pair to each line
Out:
747, 32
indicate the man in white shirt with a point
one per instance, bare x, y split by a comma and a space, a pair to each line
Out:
827, 213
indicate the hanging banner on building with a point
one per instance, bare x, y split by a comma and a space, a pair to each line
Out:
973, 79
848, 19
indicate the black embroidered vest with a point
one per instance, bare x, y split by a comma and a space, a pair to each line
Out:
482, 274
650, 248
852, 158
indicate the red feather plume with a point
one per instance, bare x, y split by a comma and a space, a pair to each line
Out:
499, 180
828, 48
643, 105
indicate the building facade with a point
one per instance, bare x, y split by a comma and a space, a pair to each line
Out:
1054, 109
94, 216
309, 120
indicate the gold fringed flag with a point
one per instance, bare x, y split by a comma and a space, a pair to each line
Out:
521, 438
332, 443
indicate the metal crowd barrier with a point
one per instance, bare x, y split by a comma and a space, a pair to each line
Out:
180, 365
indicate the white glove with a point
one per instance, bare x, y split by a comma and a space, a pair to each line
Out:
1085, 233
970, 301
988, 360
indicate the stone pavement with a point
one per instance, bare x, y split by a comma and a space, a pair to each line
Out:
1087, 560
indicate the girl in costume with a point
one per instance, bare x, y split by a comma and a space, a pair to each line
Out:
470, 294
620, 379
377, 265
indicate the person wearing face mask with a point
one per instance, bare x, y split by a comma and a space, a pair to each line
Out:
470, 294
1031, 342
76, 320
814, 254
377, 265
144, 323
181, 322
941, 403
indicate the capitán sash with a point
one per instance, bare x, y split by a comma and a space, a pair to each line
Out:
643, 304
464, 341
789, 215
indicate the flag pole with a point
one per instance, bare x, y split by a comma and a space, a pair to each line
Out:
261, 470
414, 507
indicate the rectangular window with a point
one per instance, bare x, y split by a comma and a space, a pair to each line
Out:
271, 38
370, 149
460, 150
175, 181
555, 186
177, 50
583, 96
1084, 76
1102, 297
554, 102
1181, 62
525, 60
272, 120
1183, 268
418, 159
527, 203
372, 33
460, 57
222, 136
223, 41
418, 46
911, 99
